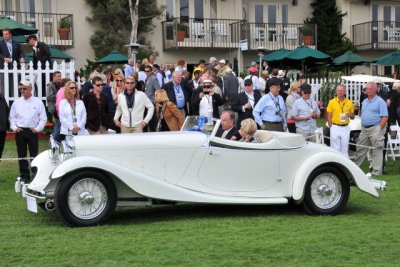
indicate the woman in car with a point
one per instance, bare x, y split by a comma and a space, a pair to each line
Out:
247, 131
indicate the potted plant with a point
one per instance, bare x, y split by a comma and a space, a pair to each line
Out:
181, 29
308, 34
64, 27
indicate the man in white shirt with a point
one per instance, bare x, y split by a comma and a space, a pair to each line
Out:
131, 106
27, 118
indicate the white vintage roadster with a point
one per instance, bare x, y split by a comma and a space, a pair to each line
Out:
86, 178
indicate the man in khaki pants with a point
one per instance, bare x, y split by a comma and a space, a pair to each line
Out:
131, 106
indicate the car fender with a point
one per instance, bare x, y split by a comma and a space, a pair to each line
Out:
333, 159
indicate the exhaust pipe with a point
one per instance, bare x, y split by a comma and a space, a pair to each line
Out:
49, 205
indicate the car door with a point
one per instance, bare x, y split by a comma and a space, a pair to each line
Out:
239, 170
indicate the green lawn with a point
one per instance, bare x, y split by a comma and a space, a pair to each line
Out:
365, 234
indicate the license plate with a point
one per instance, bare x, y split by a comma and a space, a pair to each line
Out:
31, 204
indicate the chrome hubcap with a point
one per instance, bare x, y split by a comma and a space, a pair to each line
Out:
87, 198
326, 190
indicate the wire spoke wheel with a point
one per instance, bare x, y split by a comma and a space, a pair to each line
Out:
326, 190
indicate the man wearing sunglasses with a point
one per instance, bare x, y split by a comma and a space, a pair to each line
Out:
151, 85
304, 112
27, 118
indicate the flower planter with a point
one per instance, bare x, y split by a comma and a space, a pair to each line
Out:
64, 34
41, 136
180, 36
308, 40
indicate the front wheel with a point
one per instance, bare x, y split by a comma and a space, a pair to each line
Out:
85, 199
327, 192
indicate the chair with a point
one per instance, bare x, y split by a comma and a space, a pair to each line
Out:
221, 31
393, 143
393, 34
197, 30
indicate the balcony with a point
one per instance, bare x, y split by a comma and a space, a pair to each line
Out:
376, 35
225, 33
47, 24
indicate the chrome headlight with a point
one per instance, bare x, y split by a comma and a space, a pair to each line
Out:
54, 150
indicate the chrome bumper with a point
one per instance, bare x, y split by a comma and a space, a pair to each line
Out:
21, 187
378, 184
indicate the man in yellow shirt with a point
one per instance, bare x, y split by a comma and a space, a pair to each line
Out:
340, 111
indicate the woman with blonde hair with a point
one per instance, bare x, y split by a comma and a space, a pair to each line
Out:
118, 88
294, 94
168, 115
72, 112
248, 127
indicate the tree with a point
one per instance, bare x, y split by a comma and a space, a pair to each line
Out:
329, 19
114, 26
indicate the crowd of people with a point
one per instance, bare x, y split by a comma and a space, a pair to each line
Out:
150, 97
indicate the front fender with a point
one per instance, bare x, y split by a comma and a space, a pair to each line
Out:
333, 159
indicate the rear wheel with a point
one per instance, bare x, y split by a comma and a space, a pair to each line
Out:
85, 199
327, 192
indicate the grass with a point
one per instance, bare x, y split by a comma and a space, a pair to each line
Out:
365, 234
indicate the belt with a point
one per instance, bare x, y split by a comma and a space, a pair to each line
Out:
273, 122
341, 125
369, 126
25, 128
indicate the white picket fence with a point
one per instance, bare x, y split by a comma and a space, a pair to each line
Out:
39, 78
353, 89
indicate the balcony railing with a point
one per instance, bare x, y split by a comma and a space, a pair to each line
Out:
376, 35
47, 24
224, 33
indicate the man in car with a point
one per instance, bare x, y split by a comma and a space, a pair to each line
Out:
340, 111
373, 127
228, 129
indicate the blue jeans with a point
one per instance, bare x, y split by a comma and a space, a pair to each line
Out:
56, 130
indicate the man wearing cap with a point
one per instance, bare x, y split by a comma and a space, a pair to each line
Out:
205, 101
41, 52
340, 111
374, 115
244, 102
27, 118
253, 77
222, 68
285, 84
270, 111
304, 112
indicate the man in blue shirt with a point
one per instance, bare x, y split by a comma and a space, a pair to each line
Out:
374, 115
270, 111
129, 68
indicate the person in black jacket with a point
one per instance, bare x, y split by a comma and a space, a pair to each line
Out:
4, 123
178, 92
205, 102
244, 102
41, 52
227, 130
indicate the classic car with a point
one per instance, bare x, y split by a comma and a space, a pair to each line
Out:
87, 177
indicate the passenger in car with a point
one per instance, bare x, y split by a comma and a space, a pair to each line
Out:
247, 131
227, 130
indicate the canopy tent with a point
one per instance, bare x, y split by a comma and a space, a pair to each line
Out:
18, 38
276, 55
349, 59
307, 56
392, 58
113, 57
17, 28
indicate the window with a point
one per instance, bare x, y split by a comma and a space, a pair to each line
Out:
271, 16
47, 8
184, 10
259, 15
30, 7
48, 29
285, 17
198, 10
170, 10
397, 17
213, 9
387, 16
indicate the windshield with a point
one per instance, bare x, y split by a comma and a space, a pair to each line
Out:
199, 124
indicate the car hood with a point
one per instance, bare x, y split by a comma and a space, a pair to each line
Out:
141, 140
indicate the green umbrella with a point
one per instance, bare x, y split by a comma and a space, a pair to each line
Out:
19, 38
392, 58
276, 55
55, 54
349, 58
307, 54
113, 57
17, 28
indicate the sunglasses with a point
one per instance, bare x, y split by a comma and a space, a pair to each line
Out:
98, 85
208, 86
247, 84
116, 73
120, 80
72, 88
129, 82
306, 93
147, 71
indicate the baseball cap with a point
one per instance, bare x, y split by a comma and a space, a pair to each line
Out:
25, 83
305, 87
253, 69
222, 61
